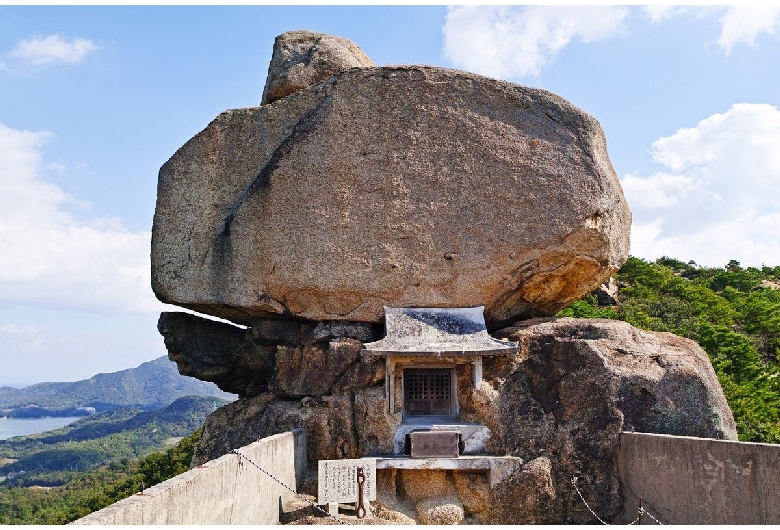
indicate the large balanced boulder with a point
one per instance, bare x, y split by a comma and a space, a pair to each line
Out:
354, 188
402, 186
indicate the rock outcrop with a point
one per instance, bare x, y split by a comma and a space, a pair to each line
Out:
560, 405
346, 425
405, 186
580, 383
214, 351
292, 358
526, 497
440, 510
607, 293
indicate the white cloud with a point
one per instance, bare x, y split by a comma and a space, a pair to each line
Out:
18, 339
738, 24
661, 190
56, 166
17, 329
511, 41
43, 51
48, 256
721, 199
659, 13
743, 23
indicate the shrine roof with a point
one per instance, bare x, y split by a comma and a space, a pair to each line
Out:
437, 331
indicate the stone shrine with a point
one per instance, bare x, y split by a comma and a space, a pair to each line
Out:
391, 243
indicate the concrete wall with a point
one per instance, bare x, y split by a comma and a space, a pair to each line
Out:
684, 480
224, 491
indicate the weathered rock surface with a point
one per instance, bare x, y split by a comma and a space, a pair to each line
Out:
374, 425
303, 58
474, 492
403, 186
560, 405
332, 431
317, 369
440, 510
292, 358
232, 426
217, 352
415, 485
579, 383
525, 497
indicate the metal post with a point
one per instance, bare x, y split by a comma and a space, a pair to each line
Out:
640, 511
360, 509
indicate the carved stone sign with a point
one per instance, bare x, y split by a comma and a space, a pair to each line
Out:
426, 444
337, 480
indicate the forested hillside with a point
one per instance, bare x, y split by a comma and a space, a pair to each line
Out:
58, 476
53, 458
94, 490
732, 312
151, 385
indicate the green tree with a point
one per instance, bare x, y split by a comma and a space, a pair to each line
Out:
96, 489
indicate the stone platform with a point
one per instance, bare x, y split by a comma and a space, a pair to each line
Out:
497, 467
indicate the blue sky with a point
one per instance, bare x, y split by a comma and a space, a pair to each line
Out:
93, 100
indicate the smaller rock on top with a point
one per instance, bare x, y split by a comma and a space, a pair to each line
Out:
303, 58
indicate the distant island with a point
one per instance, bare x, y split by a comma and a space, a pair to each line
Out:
140, 428
58, 476
152, 385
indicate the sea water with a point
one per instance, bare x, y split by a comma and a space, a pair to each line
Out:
22, 427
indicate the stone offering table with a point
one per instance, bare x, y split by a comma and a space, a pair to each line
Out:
497, 467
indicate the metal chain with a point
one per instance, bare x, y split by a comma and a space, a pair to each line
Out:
574, 483
240, 456
640, 512
651, 516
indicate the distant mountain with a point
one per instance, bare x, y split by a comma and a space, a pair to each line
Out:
152, 385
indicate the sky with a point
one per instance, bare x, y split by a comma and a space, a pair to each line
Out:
93, 100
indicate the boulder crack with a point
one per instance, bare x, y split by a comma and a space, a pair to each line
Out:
302, 128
